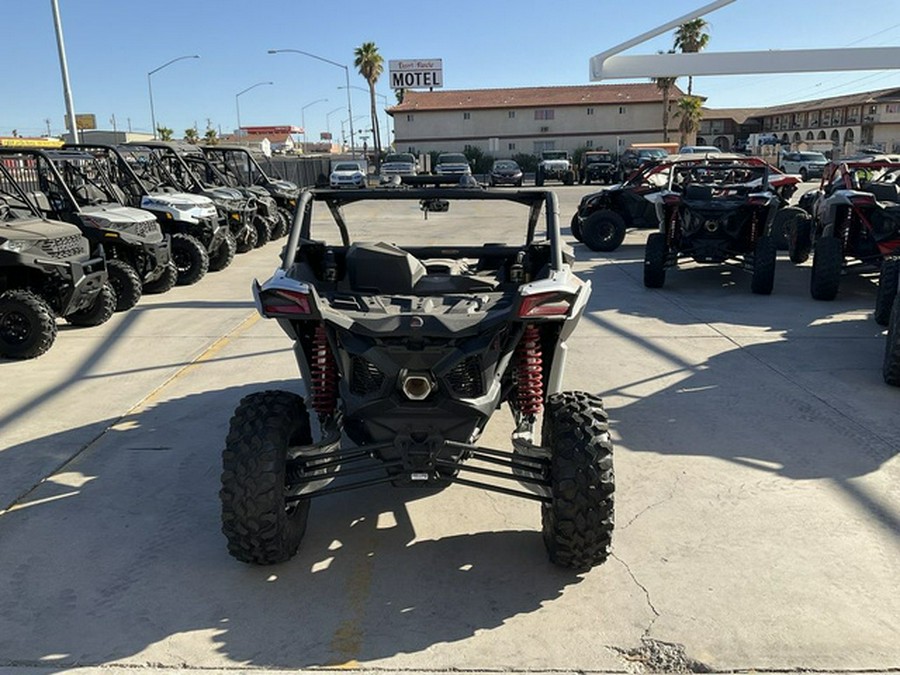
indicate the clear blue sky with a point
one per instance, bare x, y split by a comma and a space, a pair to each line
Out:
113, 44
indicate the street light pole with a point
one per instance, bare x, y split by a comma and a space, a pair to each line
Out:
237, 103
346, 75
377, 95
67, 90
150, 86
328, 118
303, 118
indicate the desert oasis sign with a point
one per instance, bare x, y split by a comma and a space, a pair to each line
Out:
416, 73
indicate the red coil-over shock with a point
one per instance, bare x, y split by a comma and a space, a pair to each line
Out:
529, 375
324, 374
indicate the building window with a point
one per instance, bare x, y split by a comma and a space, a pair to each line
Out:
589, 144
409, 118
544, 114
467, 116
512, 114
621, 109
511, 146
590, 111
541, 146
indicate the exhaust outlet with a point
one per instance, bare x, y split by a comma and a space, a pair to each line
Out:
416, 387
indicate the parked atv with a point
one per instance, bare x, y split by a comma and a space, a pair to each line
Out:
265, 213
407, 352
239, 165
71, 186
854, 226
46, 271
715, 211
191, 221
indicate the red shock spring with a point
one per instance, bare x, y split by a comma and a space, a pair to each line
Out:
324, 374
529, 375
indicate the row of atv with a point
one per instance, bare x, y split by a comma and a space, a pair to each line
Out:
86, 230
735, 210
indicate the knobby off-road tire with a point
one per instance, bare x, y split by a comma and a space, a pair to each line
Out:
224, 254
575, 227
891, 368
782, 225
126, 282
539, 178
283, 226
603, 231
577, 524
569, 178
800, 238
27, 325
102, 309
165, 282
828, 260
260, 526
764, 256
887, 290
655, 255
190, 257
263, 231
247, 240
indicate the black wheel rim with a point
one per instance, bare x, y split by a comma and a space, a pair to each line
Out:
182, 260
14, 328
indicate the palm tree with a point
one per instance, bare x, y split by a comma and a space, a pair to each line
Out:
191, 136
210, 137
165, 133
690, 111
665, 84
690, 39
371, 66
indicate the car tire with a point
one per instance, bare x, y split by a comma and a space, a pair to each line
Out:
261, 526
764, 257
890, 370
828, 261
656, 255
569, 178
887, 290
603, 231
27, 325
804, 174
539, 179
224, 254
125, 282
577, 524
575, 227
99, 312
164, 282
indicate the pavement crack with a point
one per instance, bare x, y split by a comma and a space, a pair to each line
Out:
665, 499
646, 596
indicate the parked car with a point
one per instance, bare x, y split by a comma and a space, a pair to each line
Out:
854, 225
633, 158
697, 149
452, 164
597, 165
554, 165
347, 174
399, 164
806, 164
714, 211
506, 172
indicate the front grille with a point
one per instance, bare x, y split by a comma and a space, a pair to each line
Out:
465, 378
148, 230
65, 247
365, 378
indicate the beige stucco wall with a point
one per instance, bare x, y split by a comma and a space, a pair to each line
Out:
572, 127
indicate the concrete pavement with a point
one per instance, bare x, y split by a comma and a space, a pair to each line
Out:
758, 507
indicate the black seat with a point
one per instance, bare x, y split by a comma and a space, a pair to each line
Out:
696, 192
884, 192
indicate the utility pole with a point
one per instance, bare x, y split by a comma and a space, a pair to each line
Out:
47, 122
64, 68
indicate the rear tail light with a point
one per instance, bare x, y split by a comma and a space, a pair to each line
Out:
863, 200
671, 199
545, 304
282, 301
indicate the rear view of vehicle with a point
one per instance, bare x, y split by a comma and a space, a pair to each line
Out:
46, 271
407, 351
855, 226
715, 211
